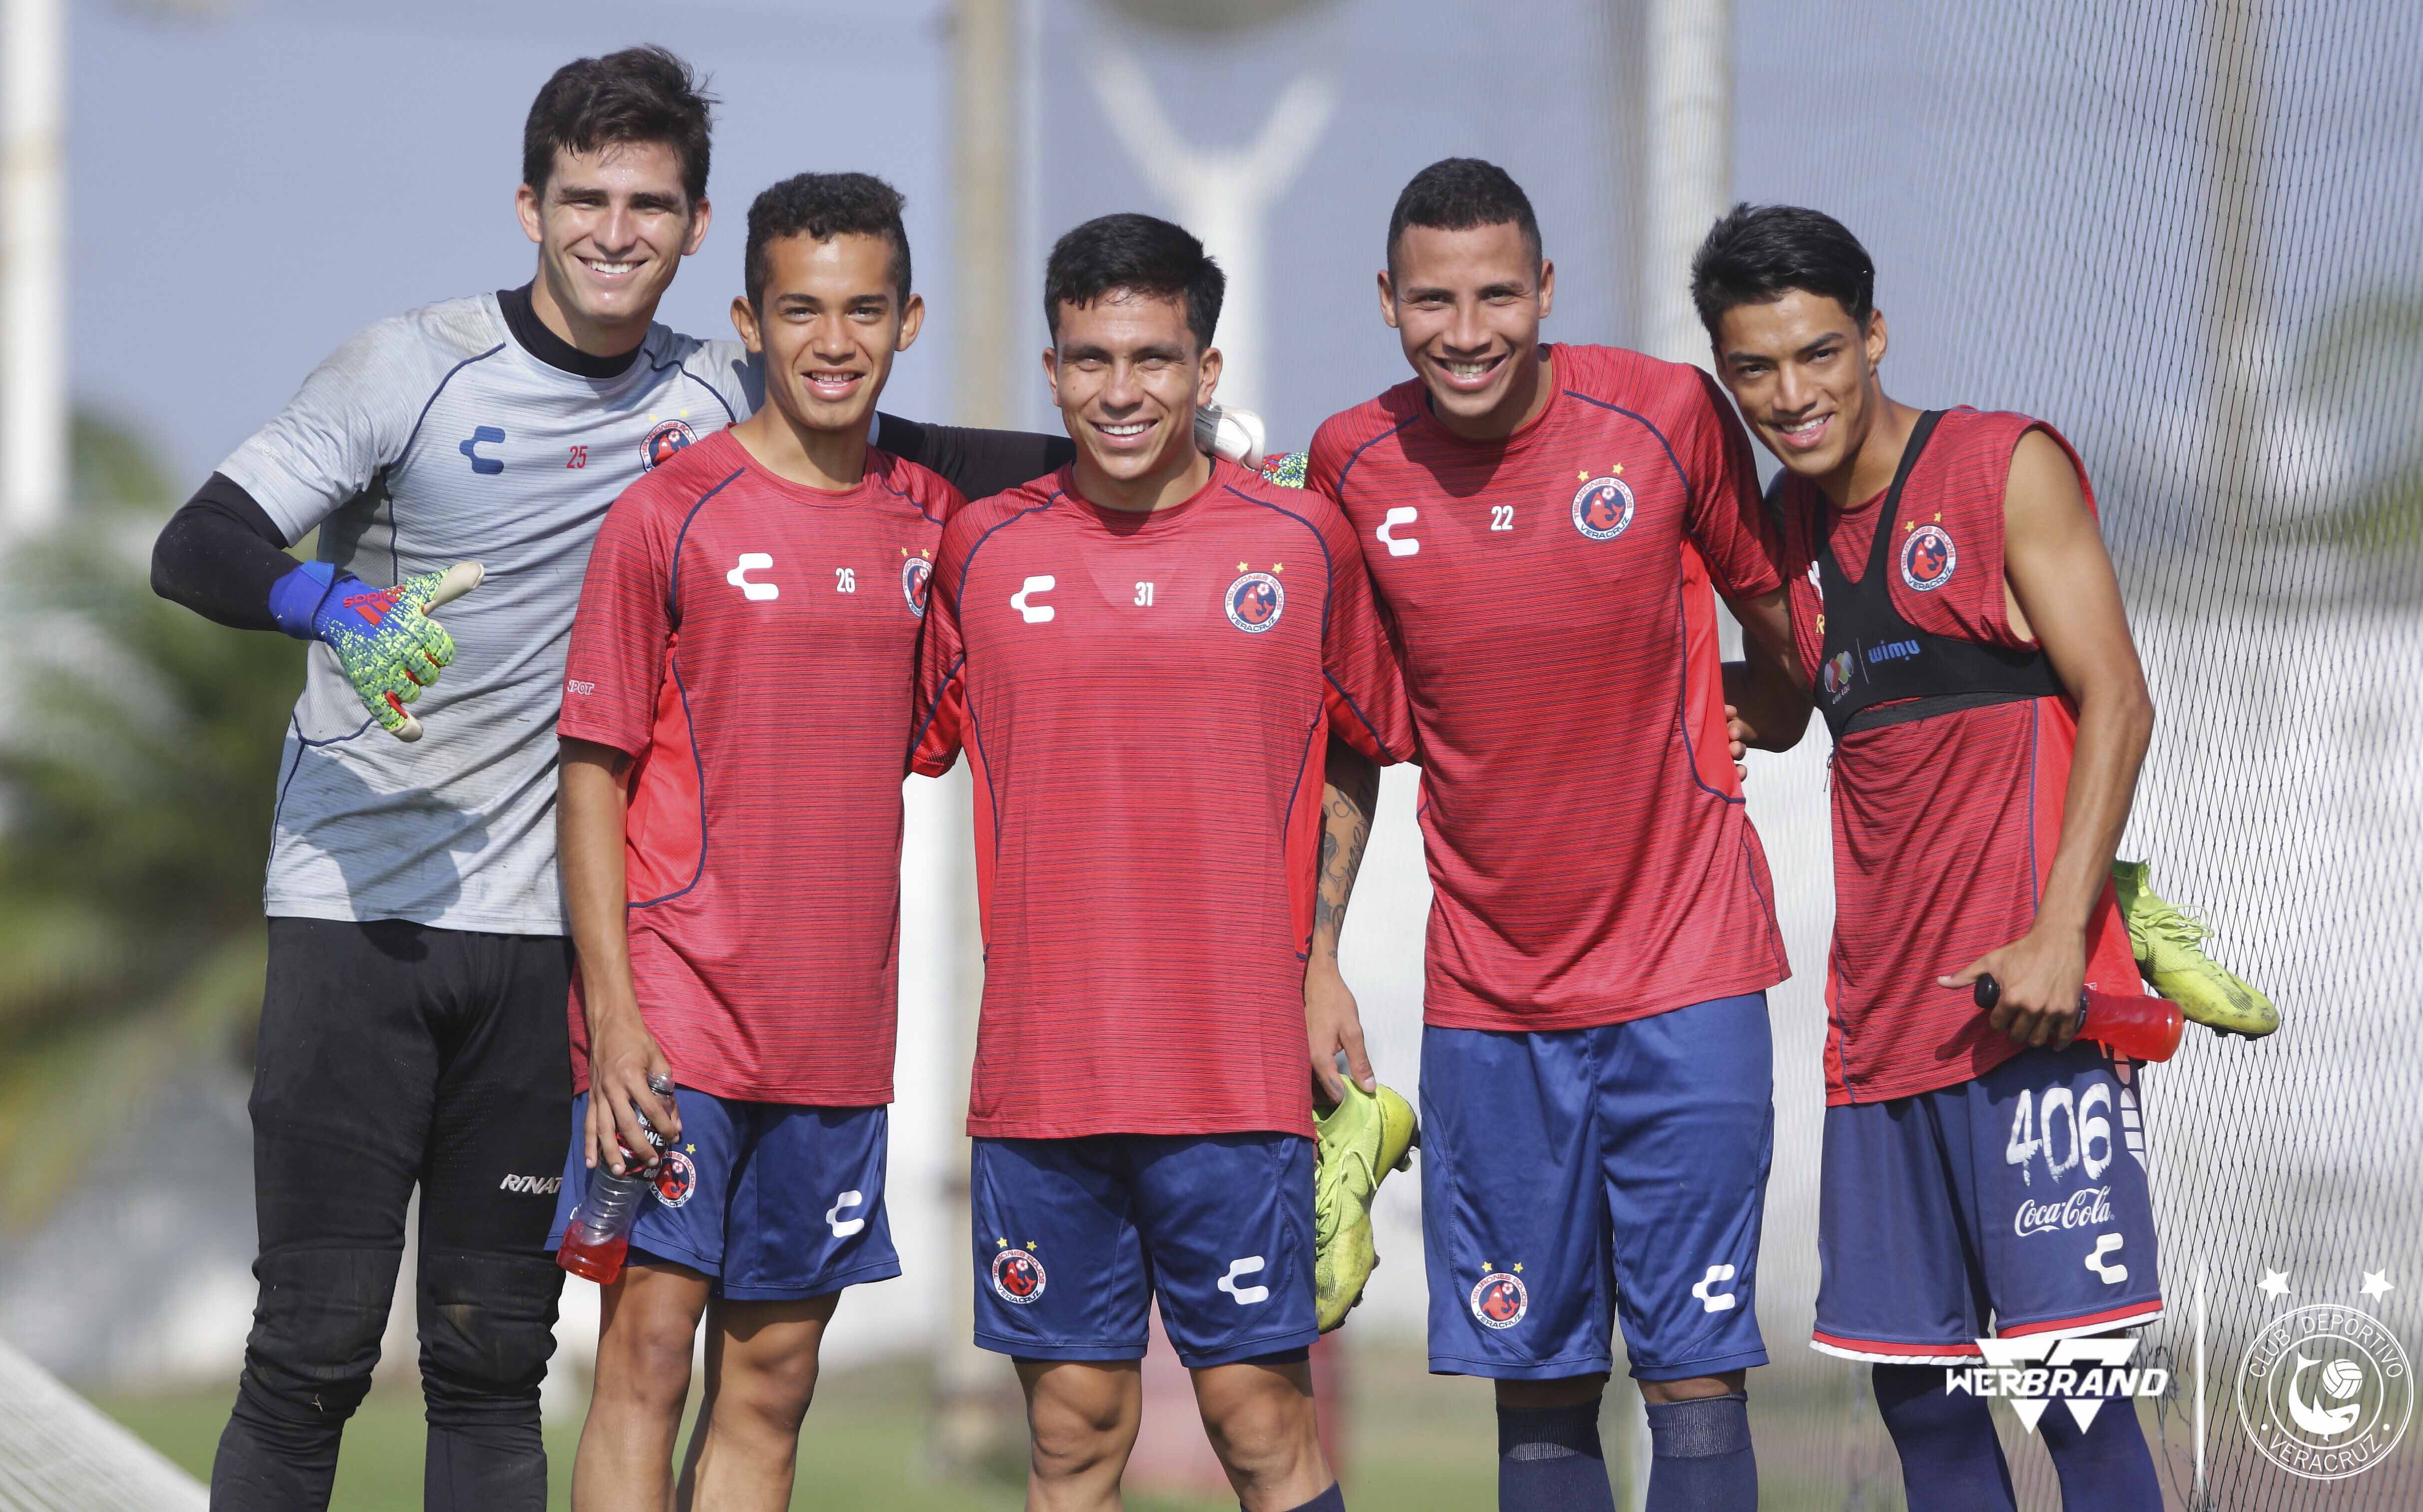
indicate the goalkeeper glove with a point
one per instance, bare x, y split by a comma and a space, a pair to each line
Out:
1233, 433
1286, 470
383, 636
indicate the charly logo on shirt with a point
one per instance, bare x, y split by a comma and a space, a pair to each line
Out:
1927, 557
665, 438
1255, 600
1603, 504
1017, 1274
1499, 1299
915, 573
483, 435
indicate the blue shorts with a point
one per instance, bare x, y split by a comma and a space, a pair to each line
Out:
772, 1202
1569, 1175
1073, 1239
2014, 1201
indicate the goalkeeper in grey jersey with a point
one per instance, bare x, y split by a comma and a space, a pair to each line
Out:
413, 1027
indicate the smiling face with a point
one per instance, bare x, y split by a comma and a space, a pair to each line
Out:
1466, 305
1128, 375
612, 227
1805, 377
830, 323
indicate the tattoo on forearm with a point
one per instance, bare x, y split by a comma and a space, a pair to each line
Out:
1339, 861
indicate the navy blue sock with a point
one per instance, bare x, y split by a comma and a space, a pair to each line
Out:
2104, 1467
1549, 1460
1700, 1457
1950, 1459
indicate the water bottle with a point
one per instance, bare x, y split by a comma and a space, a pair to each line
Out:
2141, 1028
599, 1234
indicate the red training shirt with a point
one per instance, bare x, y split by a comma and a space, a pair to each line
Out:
1944, 827
752, 643
1590, 858
1146, 700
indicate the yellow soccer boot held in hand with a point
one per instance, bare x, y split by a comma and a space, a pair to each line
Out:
2169, 946
1356, 1144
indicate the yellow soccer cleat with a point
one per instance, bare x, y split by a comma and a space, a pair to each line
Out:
1355, 1145
2169, 949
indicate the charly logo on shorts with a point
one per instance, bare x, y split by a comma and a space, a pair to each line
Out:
1017, 1274
676, 1179
1927, 558
1499, 1299
2325, 1391
1254, 602
665, 438
1603, 505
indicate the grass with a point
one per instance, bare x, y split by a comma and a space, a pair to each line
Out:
1416, 1442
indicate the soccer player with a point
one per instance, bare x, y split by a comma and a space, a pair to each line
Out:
1543, 524
735, 701
1143, 655
1966, 642
412, 1024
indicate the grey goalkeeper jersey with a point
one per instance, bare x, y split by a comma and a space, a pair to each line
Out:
430, 439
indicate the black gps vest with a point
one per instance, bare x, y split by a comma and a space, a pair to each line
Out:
1877, 668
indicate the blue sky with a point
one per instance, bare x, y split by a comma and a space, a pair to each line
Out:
245, 191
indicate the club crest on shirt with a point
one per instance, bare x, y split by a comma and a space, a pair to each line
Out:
665, 438
1837, 674
1499, 1299
1602, 507
1018, 1276
1927, 558
676, 1179
914, 574
1254, 602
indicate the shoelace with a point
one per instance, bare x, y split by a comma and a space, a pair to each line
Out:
2174, 925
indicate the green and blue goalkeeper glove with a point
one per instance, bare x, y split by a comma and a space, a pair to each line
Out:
383, 636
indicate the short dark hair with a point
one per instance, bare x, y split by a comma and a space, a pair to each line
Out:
1756, 254
824, 206
640, 94
1456, 194
1138, 254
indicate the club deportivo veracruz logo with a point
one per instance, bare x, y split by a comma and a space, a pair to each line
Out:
2325, 1391
664, 438
1017, 1274
1499, 1299
1927, 558
1603, 506
1254, 602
